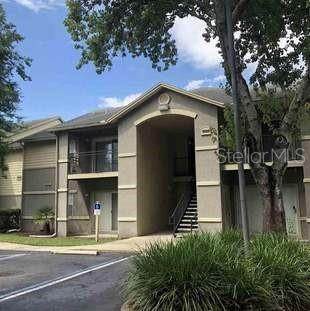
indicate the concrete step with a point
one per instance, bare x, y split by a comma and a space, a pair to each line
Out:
187, 227
190, 216
188, 223
189, 220
185, 230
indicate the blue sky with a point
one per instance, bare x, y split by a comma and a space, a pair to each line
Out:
57, 88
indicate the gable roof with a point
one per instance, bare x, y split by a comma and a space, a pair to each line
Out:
212, 96
90, 119
214, 93
161, 86
29, 128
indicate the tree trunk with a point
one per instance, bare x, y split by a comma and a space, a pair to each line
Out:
270, 187
268, 178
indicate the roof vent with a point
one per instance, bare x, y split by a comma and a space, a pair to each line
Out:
164, 100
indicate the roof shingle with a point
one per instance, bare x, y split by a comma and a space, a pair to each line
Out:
100, 116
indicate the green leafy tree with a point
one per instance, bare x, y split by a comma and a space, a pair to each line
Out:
273, 34
12, 66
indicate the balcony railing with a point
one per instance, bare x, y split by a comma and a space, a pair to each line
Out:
93, 162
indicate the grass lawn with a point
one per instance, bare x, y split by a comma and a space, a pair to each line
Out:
19, 238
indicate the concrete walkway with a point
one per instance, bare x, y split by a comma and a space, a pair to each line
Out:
125, 245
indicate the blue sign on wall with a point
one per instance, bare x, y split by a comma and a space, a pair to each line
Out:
97, 205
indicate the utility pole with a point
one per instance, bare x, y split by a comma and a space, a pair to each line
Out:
237, 117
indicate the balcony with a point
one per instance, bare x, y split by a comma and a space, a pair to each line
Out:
93, 164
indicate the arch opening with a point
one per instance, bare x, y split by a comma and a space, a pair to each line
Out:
165, 168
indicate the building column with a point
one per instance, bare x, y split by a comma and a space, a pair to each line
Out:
208, 179
62, 184
306, 181
127, 179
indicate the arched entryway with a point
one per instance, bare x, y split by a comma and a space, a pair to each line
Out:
165, 168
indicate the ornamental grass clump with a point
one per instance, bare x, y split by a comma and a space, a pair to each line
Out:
285, 267
199, 272
211, 272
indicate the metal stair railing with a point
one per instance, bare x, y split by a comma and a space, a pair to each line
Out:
180, 209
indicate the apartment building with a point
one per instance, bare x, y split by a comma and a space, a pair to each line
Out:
154, 166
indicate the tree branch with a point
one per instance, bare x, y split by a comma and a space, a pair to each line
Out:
303, 97
238, 10
248, 107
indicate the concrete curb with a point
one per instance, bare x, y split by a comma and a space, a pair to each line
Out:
75, 252
126, 246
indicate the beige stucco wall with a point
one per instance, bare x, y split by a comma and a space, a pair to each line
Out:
62, 184
207, 167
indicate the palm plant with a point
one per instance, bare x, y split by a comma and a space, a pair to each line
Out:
45, 217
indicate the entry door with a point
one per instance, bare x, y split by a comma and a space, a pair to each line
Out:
114, 212
290, 198
255, 208
105, 219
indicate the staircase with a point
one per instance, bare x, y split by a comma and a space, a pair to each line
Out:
185, 217
189, 221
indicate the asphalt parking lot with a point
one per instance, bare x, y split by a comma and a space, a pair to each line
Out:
44, 281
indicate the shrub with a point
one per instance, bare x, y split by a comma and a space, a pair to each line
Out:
199, 272
9, 219
211, 272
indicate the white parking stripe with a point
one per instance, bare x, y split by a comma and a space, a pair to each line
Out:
6, 257
45, 284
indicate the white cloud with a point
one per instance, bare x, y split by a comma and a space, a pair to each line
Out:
219, 78
192, 47
37, 5
194, 84
211, 82
116, 101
